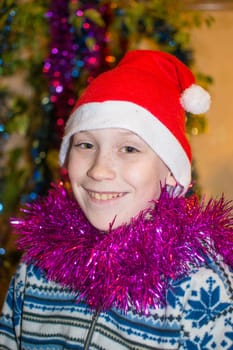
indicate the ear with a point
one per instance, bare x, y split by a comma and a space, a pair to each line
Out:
170, 180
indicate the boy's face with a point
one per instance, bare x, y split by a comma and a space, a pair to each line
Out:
114, 174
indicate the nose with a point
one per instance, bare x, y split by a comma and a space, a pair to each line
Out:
101, 168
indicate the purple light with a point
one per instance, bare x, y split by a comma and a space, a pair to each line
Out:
59, 89
54, 51
79, 13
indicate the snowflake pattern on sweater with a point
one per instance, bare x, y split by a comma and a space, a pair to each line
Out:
42, 315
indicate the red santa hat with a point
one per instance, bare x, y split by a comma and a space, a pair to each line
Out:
148, 93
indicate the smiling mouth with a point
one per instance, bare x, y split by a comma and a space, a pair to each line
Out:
104, 196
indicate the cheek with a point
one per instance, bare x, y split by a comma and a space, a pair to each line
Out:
150, 177
73, 168
141, 180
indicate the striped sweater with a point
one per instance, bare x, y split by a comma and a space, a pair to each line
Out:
41, 315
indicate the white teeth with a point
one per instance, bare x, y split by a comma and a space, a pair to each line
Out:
104, 196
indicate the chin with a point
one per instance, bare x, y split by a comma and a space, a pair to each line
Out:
106, 225
103, 227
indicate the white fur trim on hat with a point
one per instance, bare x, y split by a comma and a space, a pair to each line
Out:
130, 116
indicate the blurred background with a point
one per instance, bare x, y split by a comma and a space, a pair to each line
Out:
213, 150
50, 50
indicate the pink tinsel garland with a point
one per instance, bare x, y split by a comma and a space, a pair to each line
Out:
133, 264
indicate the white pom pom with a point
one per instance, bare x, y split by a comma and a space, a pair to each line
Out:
195, 99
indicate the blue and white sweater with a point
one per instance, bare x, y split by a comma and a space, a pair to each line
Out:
41, 315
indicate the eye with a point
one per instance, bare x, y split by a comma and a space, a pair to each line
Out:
129, 149
84, 145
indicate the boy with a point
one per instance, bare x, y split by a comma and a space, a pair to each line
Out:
125, 261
